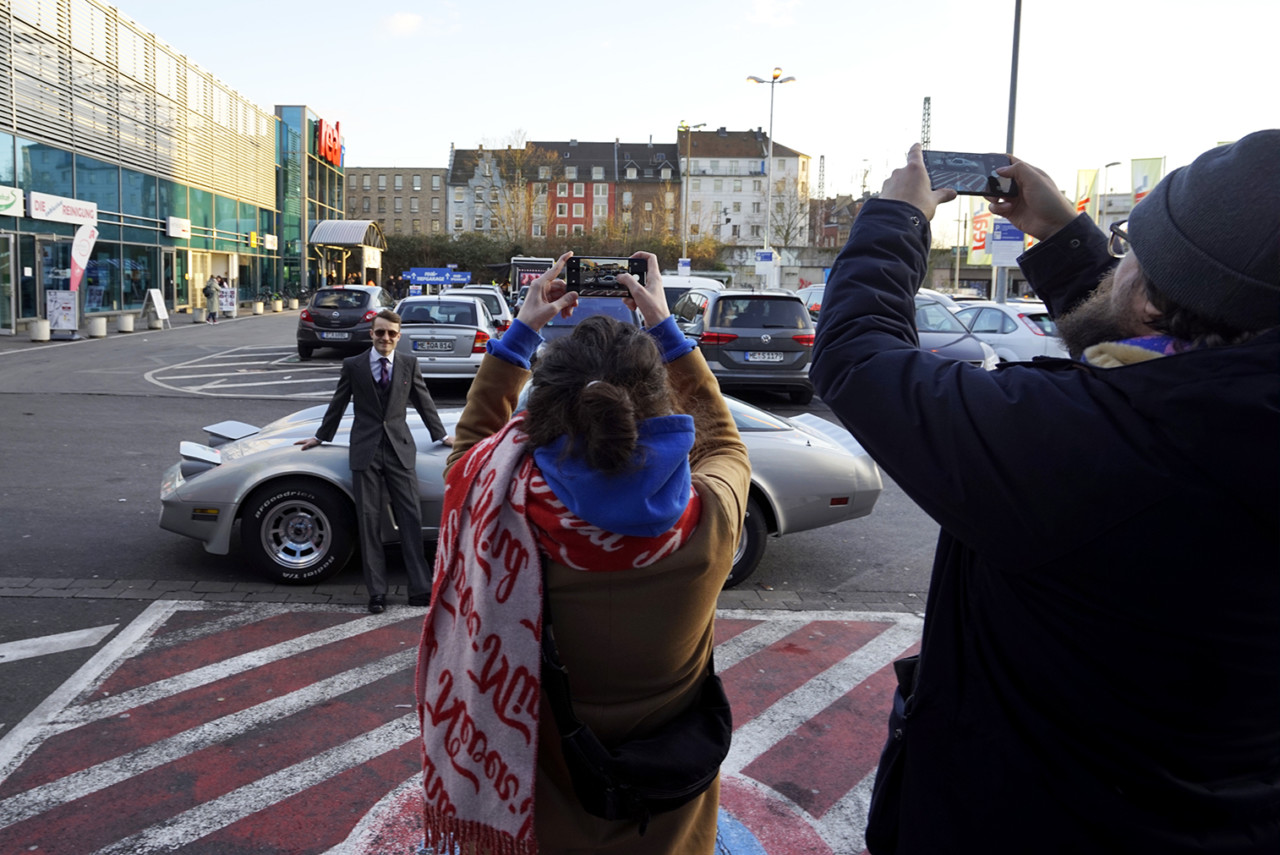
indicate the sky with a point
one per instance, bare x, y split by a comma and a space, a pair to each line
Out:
1098, 80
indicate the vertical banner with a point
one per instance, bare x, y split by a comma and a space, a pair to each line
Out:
81, 248
980, 220
1086, 192
1147, 173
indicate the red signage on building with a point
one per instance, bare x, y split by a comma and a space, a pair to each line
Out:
329, 141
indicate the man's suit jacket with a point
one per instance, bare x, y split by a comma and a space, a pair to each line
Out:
356, 384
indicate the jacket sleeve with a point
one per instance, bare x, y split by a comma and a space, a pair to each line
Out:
950, 434
491, 401
1065, 269
422, 401
337, 405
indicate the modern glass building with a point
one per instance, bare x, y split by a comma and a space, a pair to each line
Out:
102, 123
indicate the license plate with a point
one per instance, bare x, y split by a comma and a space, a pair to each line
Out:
433, 345
335, 336
764, 356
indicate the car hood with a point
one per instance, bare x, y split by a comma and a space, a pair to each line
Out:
304, 423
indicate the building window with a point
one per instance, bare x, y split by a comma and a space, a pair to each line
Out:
695, 207
561, 230
737, 207
694, 228
599, 212
669, 199
479, 195
577, 228
597, 173
398, 226
382, 182
368, 182
539, 230
666, 173
479, 224
715, 166
755, 231
417, 182
544, 172
756, 206
648, 206
399, 182
579, 189
757, 185
354, 182
457, 222
600, 191
717, 185
737, 185
435, 204
777, 207
540, 189
631, 173
435, 225
382, 204
578, 210
782, 165
368, 203
435, 182
397, 204
562, 209
626, 198
562, 189
695, 185
458, 194
493, 195
736, 230
414, 204
571, 173
417, 227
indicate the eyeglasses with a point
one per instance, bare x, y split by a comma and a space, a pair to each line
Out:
386, 333
1118, 242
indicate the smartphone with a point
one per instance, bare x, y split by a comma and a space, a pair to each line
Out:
597, 276
969, 174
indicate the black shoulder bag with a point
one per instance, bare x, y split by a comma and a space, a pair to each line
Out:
638, 778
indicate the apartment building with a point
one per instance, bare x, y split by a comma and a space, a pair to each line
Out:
402, 200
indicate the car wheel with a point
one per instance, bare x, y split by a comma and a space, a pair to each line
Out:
801, 396
750, 545
297, 531
305, 351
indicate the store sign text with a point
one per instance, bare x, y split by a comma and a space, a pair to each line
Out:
329, 141
60, 209
11, 199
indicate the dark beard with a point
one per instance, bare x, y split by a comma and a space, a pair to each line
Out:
1093, 321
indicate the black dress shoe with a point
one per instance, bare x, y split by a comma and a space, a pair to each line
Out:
420, 600
377, 604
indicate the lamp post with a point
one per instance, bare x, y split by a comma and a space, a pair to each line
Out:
768, 201
1103, 190
688, 144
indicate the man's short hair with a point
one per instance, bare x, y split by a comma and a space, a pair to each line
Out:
388, 315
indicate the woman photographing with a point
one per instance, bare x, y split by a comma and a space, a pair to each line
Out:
626, 477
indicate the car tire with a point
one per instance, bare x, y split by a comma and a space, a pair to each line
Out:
305, 351
801, 397
297, 531
750, 545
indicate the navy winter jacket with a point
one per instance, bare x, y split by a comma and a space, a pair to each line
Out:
1100, 668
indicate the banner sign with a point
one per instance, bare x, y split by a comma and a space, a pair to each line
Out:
1147, 172
429, 275
81, 249
60, 209
329, 141
11, 202
1086, 188
178, 227
979, 229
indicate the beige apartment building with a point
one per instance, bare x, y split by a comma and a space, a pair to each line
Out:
402, 200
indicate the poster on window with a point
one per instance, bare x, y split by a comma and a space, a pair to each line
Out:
61, 309
93, 298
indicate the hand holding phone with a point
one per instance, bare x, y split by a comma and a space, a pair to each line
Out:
969, 174
597, 276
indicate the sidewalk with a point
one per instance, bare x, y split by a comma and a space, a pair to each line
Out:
21, 341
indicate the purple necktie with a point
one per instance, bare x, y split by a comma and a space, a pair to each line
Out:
385, 379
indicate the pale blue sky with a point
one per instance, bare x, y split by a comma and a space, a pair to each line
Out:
1099, 81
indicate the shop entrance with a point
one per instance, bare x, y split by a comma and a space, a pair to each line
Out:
177, 284
8, 297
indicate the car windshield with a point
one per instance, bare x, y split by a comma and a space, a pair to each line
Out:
335, 299
932, 316
759, 313
461, 312
588, 306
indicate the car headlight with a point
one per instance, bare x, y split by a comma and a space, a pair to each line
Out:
989, 358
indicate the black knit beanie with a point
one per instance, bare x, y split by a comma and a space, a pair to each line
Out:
1208, 235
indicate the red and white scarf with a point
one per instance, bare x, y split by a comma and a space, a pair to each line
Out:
479, 660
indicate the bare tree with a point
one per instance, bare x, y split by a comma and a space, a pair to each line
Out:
789, 219
521, 174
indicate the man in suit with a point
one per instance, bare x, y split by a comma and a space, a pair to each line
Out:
382, 452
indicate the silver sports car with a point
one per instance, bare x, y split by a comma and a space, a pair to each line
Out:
297, 520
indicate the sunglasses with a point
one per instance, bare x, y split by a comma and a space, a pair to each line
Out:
1118, 240
386, 333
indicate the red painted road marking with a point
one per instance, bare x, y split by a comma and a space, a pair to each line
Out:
268, 729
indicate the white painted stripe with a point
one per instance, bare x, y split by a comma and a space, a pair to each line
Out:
85, 782
223, 385
844, 825
143, 695
753, 738
753, 640
29, 648
325, 369
215, 815
242, 616
27, 735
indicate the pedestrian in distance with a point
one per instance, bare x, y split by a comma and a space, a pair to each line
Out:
1100, 665
211, 300
383, 454
624, 481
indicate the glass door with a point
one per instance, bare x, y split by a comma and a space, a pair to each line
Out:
8, 300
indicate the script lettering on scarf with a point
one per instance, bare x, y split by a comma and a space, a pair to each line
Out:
521, 686
463, 740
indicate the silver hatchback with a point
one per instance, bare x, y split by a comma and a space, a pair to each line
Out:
752, 339
447, 334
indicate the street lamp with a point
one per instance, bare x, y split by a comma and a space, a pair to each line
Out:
768, 203
1102, 195
688, 144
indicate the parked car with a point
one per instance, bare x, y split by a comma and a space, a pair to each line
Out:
494, 299
558, 327
340, 317
446, 333
297, 520
677, 286
812, 297
755, 339
1018, 331
942, 332
945, 299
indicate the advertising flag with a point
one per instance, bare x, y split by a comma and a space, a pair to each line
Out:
1086, 192
1147, 173
81, 248
980, 221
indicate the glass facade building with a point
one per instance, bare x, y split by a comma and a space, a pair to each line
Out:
311, 191
102, 123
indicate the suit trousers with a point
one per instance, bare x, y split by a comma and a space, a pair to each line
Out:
402, 491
